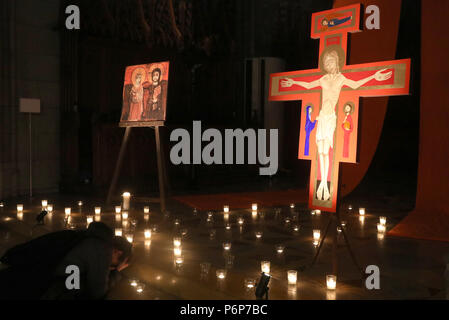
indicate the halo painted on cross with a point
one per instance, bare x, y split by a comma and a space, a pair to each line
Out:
351, 104
341, 56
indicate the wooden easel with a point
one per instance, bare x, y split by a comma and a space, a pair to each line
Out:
161, 168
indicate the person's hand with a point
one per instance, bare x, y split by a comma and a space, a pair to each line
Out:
379, 76
287, 83
123, 265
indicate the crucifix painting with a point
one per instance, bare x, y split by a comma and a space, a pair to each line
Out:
329, 136
145, 94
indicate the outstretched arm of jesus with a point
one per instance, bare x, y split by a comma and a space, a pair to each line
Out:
287, 83
379, 76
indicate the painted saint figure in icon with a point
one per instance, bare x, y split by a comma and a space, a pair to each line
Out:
347, 128
331, 84
309, 128
134, 95
155, 93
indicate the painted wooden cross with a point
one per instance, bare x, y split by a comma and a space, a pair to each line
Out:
330, 96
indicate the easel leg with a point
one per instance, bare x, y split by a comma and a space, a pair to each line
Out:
160, 169
118, 166
164, 170
350, 249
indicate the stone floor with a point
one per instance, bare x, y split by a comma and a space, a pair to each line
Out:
410, 269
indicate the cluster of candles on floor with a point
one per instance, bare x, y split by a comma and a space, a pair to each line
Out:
122, 214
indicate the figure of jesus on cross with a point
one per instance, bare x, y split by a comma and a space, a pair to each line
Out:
335, 88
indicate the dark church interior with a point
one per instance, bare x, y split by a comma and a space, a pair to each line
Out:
76, 152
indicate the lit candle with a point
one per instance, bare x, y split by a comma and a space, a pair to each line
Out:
259, 234
226, 209
125, 215
292, 206
2, 204
133, 282
343, 223
362, 211
383, 220
250, 283
254, 207
380, 227
118, 232
80, 203
316, 237
184, 232
312, 212
228, 226
380, 236
221, 274
147, 233
130, 237
89, 219
146, 209
177, 251
210, 214
139, 289
292, 276
179, 261
19, 207
296, 228
50, 208
44, 203
177, 242
241, 221
177, 222
331, 282
287, 220
265, 267
226, 246
338, 229
97, 210
350, 207
68, 211
118, 209
126, 197
317, 212
280, 249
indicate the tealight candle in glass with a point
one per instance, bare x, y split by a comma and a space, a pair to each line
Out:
19, 207
265, 267
68, 211
287, 220
350, 207
44, 203
292, 276
280, 249
146, 209
147, 233
179, 261
240, 221
380, 227
312, 212
50, 208
176, 242
97, 210
250, 283
125, 215
177, 251
259, 234
184, 232
318, 212
362, 211
221, 274
226, 209
228, 226
134, 283
118, 232
316, 234
296, 228
130, 237
254, 207
383, 220
80, 203
89, 219
331, 282
292, 206
118, 209
139, 288
226, 246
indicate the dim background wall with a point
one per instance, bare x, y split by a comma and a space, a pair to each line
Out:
30, 54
